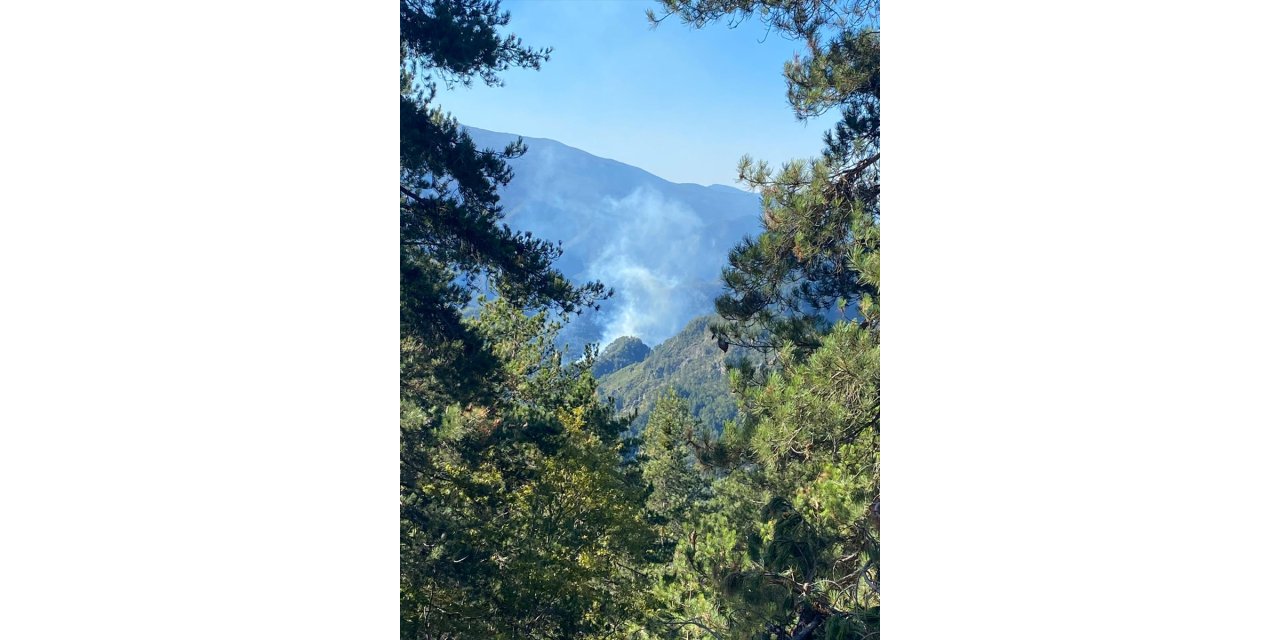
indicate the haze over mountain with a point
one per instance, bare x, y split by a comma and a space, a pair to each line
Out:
658, 244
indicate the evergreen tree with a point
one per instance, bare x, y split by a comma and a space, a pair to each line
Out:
668, 456
522, 520
451, 232
788, 544
821, 216
519, 516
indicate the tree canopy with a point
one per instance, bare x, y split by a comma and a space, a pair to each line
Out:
520, 516
819, 249
526, 510
787, 542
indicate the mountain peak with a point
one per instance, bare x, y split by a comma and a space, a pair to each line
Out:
620, 353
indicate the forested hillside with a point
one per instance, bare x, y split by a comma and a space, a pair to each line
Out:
689, 363
623, 352
526, 510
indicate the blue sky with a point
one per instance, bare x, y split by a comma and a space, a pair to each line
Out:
681, 103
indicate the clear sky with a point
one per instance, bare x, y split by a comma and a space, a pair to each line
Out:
681, 103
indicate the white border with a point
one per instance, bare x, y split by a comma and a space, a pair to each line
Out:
198, 278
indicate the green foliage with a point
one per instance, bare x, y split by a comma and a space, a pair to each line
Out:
787, 540
622, 352
520, 516
787, 544
667, 453
460, 39
821, 237
450, 218
691, 364
746, 515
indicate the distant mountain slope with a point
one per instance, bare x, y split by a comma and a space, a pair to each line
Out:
689, 362
659, 244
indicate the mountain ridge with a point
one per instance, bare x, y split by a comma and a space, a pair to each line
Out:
660, 245
478, 133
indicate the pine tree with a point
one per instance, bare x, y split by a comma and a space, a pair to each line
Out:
821, 216
521, 518
519, 515
667, 451
450, 219
788, 544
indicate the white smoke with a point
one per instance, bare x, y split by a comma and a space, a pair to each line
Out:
653, 258
659, 246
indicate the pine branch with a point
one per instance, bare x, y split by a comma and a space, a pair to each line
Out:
682, 623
